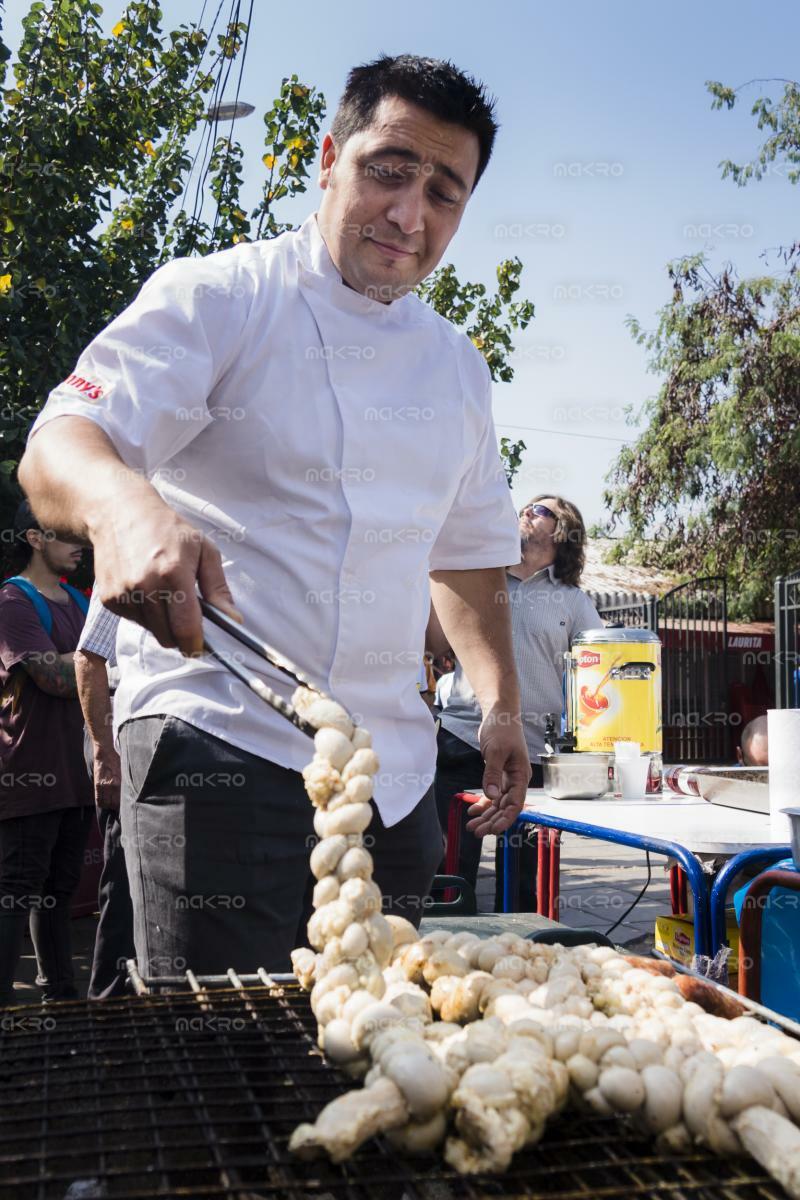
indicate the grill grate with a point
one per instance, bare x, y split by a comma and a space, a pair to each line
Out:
195, 1094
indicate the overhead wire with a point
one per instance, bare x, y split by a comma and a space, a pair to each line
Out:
598, 437
242, 59
209, 138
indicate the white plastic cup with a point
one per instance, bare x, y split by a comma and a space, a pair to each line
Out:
632, 774
626, 751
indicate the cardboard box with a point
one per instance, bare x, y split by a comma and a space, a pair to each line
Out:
674, 936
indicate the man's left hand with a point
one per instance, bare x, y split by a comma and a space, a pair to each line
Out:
505, 778
107, 780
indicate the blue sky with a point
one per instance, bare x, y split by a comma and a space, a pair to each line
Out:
606, 167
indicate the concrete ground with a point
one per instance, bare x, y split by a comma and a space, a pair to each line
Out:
599, 882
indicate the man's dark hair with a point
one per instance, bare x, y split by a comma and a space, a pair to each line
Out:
569, 537
433, 84
20, 550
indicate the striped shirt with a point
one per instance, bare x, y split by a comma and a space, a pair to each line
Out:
99, 636
546, 614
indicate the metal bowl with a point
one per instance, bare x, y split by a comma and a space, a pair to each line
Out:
794, 817
576, 776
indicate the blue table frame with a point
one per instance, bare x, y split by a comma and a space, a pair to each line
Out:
762, 856
694, 872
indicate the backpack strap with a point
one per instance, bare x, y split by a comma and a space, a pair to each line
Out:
79, 598
37, 600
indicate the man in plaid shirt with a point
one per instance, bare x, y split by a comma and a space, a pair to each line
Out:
96, 673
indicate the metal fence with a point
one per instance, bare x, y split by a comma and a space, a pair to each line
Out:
693, 627
637, 611
787, 641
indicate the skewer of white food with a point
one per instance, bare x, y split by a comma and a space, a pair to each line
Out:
493, 1036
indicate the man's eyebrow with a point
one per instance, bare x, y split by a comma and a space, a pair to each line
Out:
412, 156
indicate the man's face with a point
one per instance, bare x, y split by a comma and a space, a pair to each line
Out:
62, 558
394, 196
536, 529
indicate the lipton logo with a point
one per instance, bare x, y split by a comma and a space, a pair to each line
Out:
682, 938
587, 658
88, 388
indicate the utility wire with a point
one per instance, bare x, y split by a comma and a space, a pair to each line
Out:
242, 59
210, 139
595, 437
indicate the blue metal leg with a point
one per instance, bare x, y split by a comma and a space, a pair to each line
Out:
719, 892
510, 840
694, 872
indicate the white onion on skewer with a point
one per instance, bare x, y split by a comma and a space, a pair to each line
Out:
522, 1028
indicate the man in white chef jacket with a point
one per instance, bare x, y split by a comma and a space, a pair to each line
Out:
285, 427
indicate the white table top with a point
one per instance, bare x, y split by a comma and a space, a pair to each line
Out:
701, 827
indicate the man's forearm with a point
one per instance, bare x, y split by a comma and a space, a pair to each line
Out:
149, 560
54, 673
95, 698
73, 475
472, 608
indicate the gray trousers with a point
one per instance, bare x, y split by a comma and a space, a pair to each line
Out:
217, 843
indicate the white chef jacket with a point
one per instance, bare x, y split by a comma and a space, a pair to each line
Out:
335, 449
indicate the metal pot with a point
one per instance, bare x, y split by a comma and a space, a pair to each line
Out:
794, 816
576, 776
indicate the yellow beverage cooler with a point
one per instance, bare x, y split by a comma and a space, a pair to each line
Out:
613, 692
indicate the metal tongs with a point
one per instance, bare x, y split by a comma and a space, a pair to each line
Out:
269, 654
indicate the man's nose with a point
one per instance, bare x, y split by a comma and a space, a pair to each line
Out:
407, 210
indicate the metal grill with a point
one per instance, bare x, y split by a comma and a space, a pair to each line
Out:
195, 1094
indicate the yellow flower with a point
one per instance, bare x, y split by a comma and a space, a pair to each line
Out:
118, 28
268, 161
478, 342
127, 223
147, 63
5, 284
296, 143
148, 148
294, 159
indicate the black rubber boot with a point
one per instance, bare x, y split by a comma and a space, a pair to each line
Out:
12, 933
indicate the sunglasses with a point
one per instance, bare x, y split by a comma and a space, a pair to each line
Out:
540, 510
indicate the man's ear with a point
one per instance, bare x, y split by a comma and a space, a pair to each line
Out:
328, 159
34, 538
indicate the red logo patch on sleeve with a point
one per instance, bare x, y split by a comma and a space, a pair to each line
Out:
88, 388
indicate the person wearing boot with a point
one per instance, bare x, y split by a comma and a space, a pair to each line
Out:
46, 800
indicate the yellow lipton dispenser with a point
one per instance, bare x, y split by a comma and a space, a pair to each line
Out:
613, 692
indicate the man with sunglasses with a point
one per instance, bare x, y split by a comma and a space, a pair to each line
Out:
547, 610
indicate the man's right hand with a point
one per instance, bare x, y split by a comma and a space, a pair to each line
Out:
148, 561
